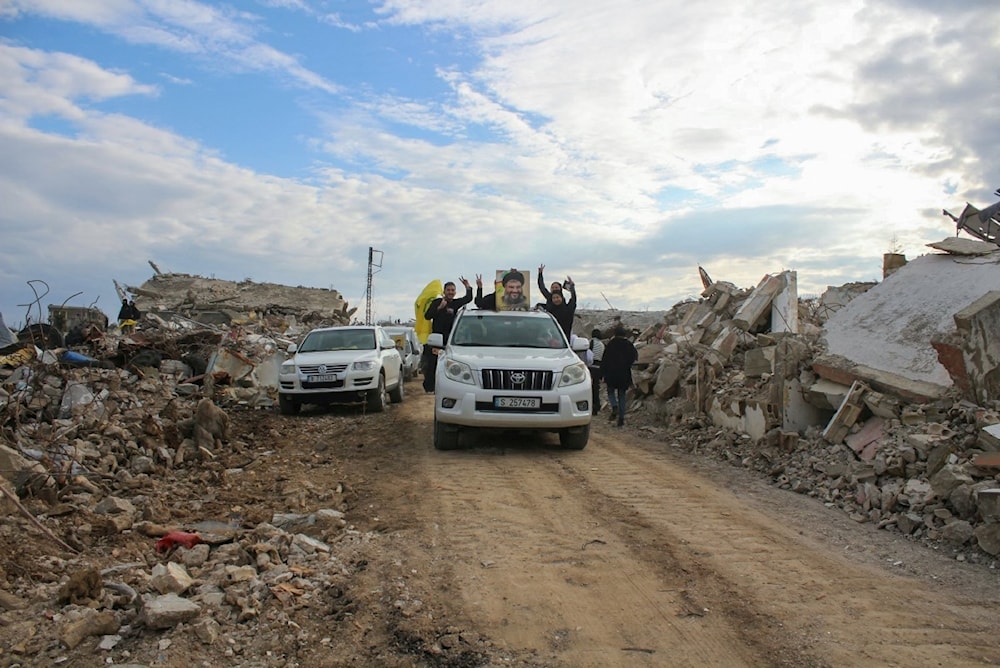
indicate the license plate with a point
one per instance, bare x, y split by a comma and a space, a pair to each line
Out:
517, 402
324, 378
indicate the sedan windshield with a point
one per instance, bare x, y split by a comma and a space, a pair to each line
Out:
338, 339
512, 332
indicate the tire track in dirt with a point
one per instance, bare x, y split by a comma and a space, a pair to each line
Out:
538, 569
753, 567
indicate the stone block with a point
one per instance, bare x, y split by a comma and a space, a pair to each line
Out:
167, 611
758, 361
171, 578
667, 380
988, 537
947, 479
725, 342
989, 438
988, 503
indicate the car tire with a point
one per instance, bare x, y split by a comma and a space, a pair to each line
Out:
377, 397
574, 438
396, 393
445, 436
287, 405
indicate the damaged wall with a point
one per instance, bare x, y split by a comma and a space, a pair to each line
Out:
890, 327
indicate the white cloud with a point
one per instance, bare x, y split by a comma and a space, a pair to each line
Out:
622, 143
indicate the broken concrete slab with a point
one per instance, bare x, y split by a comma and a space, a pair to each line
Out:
961, 246
843, 371
890, 327
759, 302
785, 305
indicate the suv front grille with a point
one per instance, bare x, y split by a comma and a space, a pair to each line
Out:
506, 379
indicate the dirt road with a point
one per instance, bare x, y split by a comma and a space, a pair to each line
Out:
627, 554
514, 552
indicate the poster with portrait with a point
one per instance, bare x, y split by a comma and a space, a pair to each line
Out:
513, 289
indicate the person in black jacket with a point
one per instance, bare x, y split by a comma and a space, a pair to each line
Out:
441, 312
619, 356
125, 312
556, 303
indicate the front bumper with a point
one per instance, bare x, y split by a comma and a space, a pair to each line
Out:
353, 387
462, 405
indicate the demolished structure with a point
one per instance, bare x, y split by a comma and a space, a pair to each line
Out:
879, 399
886, 406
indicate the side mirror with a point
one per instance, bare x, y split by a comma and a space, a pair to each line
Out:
580, 344
292, 348
435, 340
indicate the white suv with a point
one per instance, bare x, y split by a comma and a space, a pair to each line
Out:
510, 370
357, 364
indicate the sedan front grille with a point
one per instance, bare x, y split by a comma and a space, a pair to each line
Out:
506, 379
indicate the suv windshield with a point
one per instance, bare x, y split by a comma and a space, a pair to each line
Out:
338, 339
507, 331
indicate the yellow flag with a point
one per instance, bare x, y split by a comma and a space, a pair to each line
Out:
431, 291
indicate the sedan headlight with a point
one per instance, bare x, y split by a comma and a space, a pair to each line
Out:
459, 372
573, 374
287, 368
364, 365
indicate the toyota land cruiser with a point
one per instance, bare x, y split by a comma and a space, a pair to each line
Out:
510, 370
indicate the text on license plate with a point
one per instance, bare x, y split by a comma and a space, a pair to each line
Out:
324, 378
517, 402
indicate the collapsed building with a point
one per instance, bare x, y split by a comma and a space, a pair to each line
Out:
881, 399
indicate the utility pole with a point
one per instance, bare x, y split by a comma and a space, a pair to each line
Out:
368, 290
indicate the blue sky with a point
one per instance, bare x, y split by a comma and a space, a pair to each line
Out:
624, 144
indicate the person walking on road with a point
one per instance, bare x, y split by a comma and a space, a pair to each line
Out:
619, 356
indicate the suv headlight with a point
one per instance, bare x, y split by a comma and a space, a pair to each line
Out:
287, 368
573, 374
364, 365
459, 372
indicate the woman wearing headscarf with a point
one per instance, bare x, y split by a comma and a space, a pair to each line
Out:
619, 356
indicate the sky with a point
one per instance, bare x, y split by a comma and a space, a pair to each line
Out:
623, 144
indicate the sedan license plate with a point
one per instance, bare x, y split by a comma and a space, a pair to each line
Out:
324, 378
517, 402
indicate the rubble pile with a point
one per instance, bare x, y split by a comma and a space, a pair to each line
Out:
217, 301
88, 431
742, 375
92, 422
727, 376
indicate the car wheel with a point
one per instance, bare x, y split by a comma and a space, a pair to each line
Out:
396, 393
287, 405
575, 438
445, 436
376, 398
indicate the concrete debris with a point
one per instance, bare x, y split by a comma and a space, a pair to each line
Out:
744, 375
893, 423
